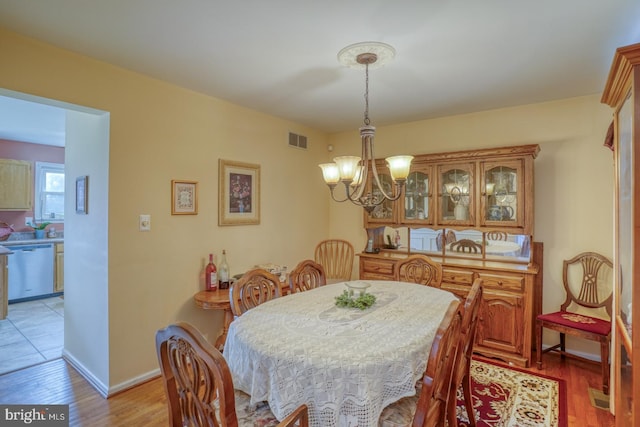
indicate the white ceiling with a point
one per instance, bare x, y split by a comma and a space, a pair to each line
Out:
279, 56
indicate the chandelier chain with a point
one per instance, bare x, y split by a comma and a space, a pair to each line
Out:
366, 96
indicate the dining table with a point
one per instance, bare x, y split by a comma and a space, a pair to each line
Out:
346, 364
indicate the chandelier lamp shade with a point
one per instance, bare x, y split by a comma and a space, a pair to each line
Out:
356, 173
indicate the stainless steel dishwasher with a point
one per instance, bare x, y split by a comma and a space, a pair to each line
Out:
30, 271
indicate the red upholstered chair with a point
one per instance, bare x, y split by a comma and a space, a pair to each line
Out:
576, 316
451, 237
199, 386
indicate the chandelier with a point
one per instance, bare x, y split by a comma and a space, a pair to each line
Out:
353, 171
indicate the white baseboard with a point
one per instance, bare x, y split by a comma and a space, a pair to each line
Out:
86, 374
102, 388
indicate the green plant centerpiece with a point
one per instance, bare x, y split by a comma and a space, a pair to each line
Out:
362, 301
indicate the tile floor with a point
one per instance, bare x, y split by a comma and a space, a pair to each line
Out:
32, 333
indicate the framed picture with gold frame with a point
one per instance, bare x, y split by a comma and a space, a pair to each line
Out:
184, 197
238, 193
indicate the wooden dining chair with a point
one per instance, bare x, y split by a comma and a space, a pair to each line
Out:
199, 386
497, 235
462, 366
450, 238
466, 245
336, 257
419, 269
572, 318
429, 406
308, 274
252, 289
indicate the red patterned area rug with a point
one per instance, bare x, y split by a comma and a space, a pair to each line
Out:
504, 396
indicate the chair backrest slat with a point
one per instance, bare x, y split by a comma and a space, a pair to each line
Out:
336, 257
252, 289
307, 275
591, 293
419, 269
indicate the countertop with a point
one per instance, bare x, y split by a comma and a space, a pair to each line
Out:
32, 241
25, 239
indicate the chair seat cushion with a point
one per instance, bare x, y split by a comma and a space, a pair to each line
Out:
401, 412
578, 321
251, 416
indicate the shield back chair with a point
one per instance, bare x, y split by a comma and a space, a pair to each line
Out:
462, 367
419, 269
252, 289
450, 238
497, 235
429, 406
199, 386
336, 257
465, 245
307, 275
587, 280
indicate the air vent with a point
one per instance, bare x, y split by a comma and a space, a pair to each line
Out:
298, 141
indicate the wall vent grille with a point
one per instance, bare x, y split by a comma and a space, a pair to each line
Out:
298, 141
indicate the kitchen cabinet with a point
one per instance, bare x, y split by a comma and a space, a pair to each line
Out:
512, 298
622, 92
58, 283
483, 189
16, 185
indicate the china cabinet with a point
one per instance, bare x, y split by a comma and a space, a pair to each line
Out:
481, 189
15, 185
622, 92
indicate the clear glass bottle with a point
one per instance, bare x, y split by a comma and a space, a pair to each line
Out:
211, 275
223, 274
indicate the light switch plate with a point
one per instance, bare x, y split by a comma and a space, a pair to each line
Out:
145, 223
28, 220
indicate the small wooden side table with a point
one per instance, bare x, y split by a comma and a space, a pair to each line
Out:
217, 300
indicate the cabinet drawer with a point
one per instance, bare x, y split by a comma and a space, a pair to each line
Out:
512, 283
461, 277
378, 267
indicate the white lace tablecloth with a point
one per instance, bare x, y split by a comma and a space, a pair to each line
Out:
346, 364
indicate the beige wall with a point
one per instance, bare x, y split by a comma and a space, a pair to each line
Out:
161, 132
573, 175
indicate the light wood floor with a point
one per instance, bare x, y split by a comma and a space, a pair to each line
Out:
56, 382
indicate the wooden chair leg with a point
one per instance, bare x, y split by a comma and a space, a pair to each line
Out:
604, 355
562, 345
468, 401
452, 419
539, 344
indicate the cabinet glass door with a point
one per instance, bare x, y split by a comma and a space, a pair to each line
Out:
456, 194
502, 194
417, 198
384, 212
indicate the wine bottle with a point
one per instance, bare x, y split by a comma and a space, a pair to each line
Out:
223, 276
211, 275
